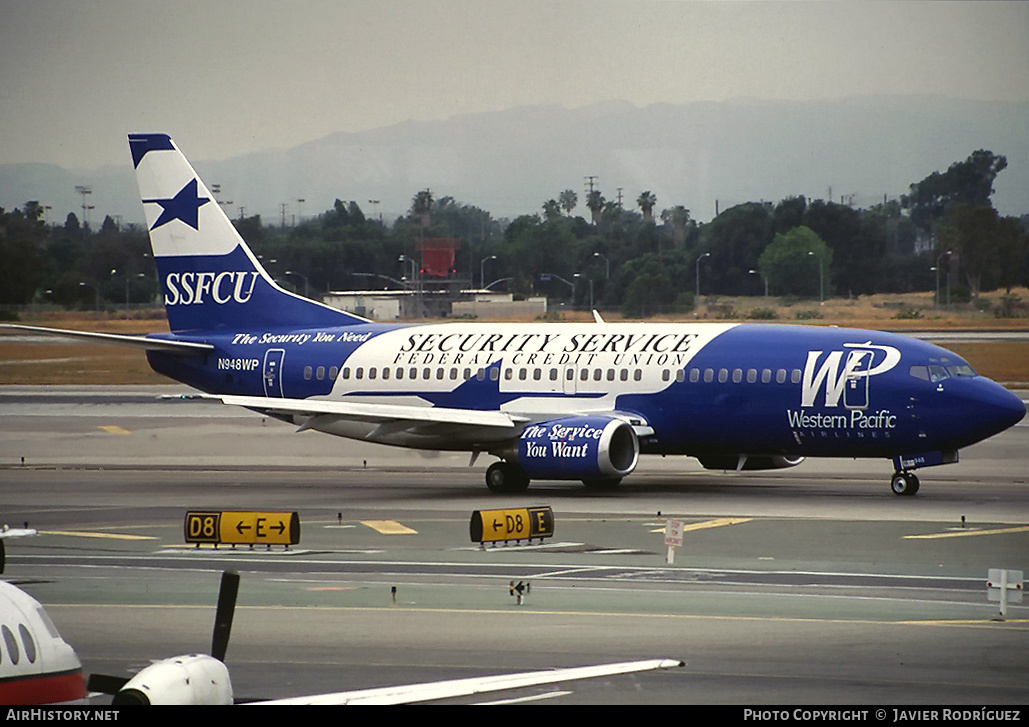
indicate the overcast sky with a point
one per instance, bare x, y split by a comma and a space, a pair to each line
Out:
225, 77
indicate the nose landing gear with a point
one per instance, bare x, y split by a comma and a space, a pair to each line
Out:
904, 483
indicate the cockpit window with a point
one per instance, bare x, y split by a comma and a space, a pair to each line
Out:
28, 642
11, 644
940, 369
960, 370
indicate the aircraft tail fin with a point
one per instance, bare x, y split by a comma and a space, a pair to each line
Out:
210, 278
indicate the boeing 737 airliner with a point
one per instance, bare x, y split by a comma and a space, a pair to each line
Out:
550, 401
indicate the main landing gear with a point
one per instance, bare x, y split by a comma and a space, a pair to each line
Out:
506, 478
904, 483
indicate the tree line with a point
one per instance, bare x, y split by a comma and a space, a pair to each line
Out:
618, 258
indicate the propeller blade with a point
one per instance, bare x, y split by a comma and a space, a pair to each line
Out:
105, 683
223, 616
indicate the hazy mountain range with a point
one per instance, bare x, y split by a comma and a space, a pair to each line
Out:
510, 162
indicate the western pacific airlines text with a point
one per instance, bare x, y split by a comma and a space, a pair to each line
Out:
854, 419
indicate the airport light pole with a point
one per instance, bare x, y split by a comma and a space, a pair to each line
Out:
413, 282
580, 275
755, 272
607, 265
482, 269
696, 302
96, 292
307, 288
547, 276
821, 286
937, 269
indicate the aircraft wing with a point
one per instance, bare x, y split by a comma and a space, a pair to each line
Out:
378, 413
412, 693
153, 344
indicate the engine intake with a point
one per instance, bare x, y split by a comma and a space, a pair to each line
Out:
578, 448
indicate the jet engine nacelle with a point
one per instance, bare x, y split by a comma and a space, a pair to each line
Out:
193, 679
748, 462
578, 448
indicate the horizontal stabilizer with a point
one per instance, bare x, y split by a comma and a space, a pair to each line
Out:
188, 348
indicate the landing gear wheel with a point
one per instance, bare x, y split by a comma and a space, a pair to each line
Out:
506, 478
904, 483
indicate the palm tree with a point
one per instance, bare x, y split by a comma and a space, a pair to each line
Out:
678, 217
646, 202
568, 201
551, 210
421, 205
595, 202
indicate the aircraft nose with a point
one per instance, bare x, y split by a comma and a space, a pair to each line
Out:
1000, 407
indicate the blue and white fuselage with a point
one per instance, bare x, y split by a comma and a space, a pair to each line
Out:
552, 401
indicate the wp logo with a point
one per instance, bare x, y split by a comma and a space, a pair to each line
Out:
832, 374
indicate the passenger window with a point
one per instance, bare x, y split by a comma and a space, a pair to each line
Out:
494, 374
694, 375
333, 372
795, 376
453, 374
359, 373
780, 376
665, 374
766, 376
709, 375
521, 374
680, 375
372, 372
508, 373
737, 376
412, 373
723, 375
751, 376
537, 374
346, 372
637, 375
385, 373
439, 374
553, 374
307, 373
320, 373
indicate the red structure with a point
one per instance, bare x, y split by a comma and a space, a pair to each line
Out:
438, 255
